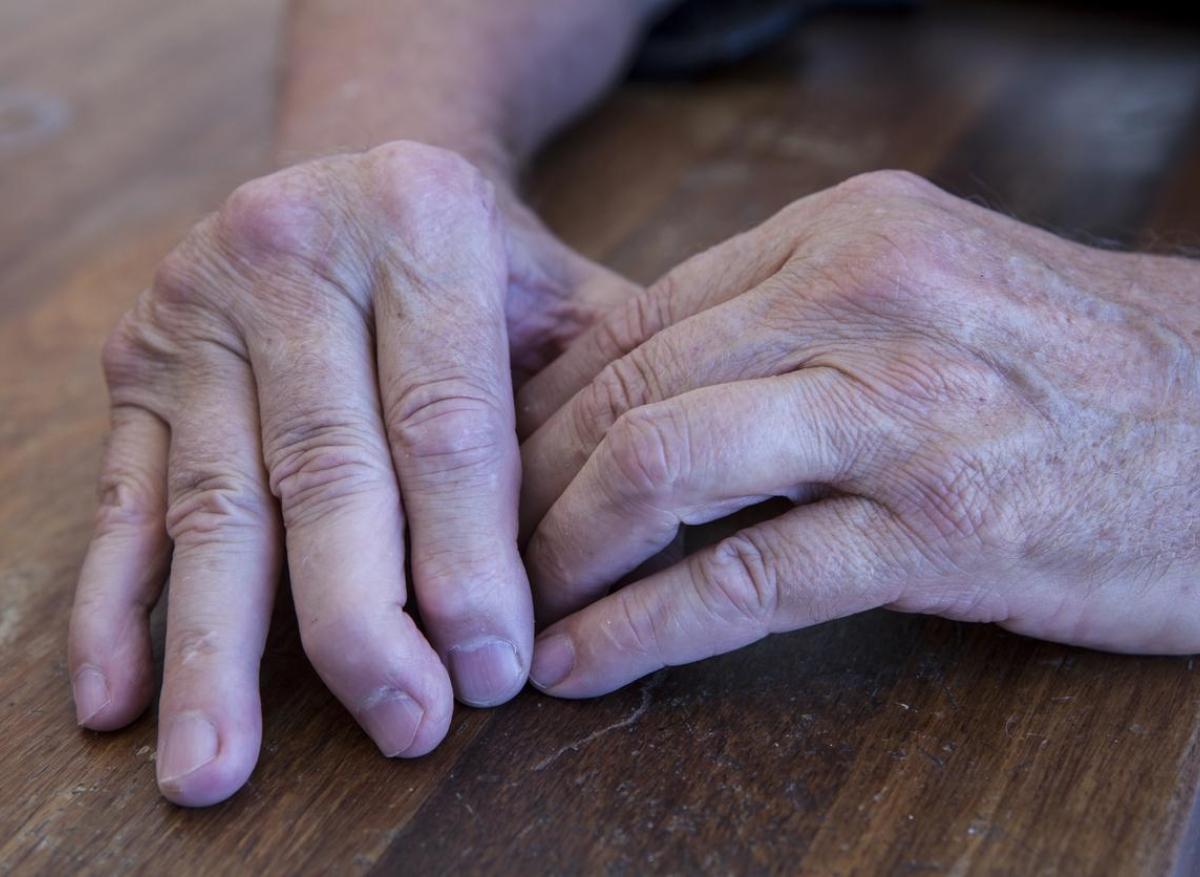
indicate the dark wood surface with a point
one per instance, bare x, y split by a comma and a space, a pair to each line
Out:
881, 744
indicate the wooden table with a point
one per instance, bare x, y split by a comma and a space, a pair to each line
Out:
878, 744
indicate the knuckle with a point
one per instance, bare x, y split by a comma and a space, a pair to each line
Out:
645, 452
619, 387
284, 215
319, 467
738, 580
180, 278
642, 626
128, 499
123, 356
887, 183
635, 321
451, 424
428, 188
140, 343
215, 507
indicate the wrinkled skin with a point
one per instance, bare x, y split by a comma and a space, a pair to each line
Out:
322, 363
974, 418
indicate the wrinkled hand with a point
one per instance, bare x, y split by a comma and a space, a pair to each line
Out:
995, 425
325, 360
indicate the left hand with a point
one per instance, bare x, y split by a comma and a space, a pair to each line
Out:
1004, 426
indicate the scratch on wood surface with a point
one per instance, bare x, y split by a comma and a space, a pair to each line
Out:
647, 696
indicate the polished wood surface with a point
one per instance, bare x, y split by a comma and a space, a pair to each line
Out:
881, 744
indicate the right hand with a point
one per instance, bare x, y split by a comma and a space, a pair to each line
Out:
322, 361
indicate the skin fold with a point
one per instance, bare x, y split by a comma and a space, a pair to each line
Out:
378, 354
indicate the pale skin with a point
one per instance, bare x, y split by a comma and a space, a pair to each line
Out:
971, 417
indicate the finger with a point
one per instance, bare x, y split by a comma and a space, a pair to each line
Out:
690, 460
223, 575
112, 673
447, 394
725, 344
331, 470
703, 281
822, 561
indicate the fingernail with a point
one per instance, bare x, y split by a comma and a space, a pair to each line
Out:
90, 690
191, 743
392, 719
553, 660
485, 673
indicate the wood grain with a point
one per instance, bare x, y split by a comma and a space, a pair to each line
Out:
881, 744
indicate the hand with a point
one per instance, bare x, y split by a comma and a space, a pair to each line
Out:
326, 359
996, 424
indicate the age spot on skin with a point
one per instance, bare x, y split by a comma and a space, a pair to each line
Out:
29, 118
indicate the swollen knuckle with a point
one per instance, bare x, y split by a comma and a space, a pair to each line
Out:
425, 187
644, 451
215, 506
887, 183
738, 581
282, 216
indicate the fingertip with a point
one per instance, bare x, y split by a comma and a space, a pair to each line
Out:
486, 673
409, 721
89, 687
111, 691
553, 661
199, 764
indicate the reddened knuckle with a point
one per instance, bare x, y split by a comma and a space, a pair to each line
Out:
285, 215
215, 506
738, 580
887, 183
425, 188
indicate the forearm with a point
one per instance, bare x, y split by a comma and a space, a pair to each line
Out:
491, 80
